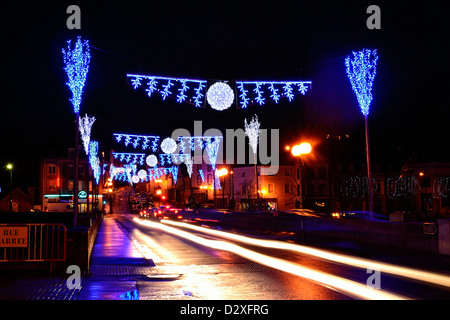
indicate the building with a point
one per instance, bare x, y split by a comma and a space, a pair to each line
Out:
21, 202
57, 177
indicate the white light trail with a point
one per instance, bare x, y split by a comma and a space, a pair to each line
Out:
346, 286
415, 274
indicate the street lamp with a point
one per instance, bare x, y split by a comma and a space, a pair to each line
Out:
297, 151
9, 166
361, 71
222, 173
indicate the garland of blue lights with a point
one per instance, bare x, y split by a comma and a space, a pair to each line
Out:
130, 158
163, 85
138, 141
193, 91
269, 89
194, 142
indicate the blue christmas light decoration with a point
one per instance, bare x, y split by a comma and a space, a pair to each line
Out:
202, 175
243, 96
166, 91
288, 91
151, 86
272, 87
182, 96
132, 158
94, 161
194, 142
138, 140
275, 96
76, 63
361, 71
212, 149
257, 90
164, 84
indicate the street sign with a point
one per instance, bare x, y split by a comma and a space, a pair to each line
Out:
429, 228
82, 194
13, 236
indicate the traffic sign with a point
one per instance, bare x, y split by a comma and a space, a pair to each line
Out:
429, 228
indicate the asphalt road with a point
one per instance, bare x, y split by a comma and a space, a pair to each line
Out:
192, 266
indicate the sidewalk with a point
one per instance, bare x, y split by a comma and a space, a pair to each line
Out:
116, 266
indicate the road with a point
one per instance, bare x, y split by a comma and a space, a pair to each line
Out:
194, 264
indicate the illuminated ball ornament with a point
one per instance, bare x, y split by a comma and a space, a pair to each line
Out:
220, 96
135, 179
142, 174
151, 160
168, 145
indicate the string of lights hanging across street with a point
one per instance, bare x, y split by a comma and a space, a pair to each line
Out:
220, 95
168, 146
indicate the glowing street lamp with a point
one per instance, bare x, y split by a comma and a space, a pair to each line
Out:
302, 148
361, 71
9, 166
298, 151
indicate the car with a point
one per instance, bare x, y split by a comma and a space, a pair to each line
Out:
146, 212
171, 214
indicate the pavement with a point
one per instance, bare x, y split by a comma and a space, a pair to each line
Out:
116, 265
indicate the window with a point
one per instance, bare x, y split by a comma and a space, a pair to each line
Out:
51, 169
322, 173
286, 188
208, 167
311, 190
271, 188
81, 171
71, 172
209, 179
287, 172
51, 185
199, 179
310, 173
322, 190
243, 174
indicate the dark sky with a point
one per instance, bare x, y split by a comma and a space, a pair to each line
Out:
224, 40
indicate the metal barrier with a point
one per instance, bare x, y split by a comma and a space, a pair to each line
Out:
33, 242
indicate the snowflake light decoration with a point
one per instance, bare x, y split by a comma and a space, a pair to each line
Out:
220, 96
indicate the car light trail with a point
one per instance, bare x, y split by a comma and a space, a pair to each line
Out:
416, 274
349, 287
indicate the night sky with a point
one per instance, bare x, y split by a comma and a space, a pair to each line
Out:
223, 40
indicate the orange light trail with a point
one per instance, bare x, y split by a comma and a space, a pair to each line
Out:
415, 274
346, 286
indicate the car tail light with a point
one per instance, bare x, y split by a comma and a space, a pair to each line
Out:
180, 217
